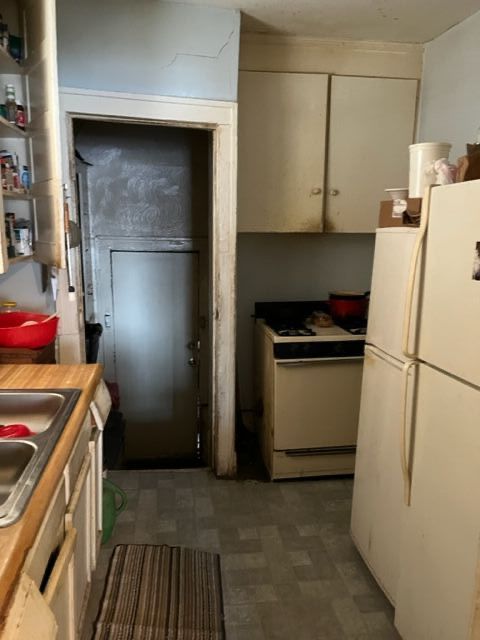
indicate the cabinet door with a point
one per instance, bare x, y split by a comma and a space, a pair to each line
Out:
49, 538
42, 88
371, 125
29, 615
281, 151
79, 516
59, 589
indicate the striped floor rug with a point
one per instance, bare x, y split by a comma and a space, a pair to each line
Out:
161, 593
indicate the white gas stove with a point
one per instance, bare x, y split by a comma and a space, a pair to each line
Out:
308, 383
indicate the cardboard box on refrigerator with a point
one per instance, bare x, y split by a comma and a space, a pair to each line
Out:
391, 215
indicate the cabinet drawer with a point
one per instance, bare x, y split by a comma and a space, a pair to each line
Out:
50, 537
78, 454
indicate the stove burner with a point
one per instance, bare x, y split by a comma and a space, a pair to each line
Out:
291, 329
355, 326
291, 332
358, 331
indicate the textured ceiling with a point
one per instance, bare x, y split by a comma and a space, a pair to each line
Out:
382, 20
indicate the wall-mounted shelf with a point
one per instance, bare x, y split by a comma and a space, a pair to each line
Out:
8, 130
8, 64
16, 195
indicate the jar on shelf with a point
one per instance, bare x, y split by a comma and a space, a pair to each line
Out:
10, 103
20, 116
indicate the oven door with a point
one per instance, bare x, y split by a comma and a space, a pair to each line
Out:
316, 404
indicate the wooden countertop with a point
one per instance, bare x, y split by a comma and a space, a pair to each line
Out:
16, 540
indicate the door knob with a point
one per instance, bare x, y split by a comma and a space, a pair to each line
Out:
192, 362
316, 191
333, 192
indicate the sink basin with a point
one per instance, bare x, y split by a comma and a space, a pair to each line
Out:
14, 459
36, 409
23, 460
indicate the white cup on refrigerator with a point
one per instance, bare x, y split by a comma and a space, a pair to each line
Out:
422, 155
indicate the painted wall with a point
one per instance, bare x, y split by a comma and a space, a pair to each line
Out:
143, 47
293, 267
450, 95
23, 284
148, 47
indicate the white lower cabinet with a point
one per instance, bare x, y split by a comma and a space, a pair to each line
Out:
78, 518
52, 591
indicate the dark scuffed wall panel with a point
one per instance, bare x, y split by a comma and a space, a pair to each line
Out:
146, 181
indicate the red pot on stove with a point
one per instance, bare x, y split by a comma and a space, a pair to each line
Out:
348, 304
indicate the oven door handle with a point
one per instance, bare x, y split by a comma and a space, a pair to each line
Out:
300, 363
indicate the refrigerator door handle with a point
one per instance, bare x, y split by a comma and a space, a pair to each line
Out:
412, 275
406, 471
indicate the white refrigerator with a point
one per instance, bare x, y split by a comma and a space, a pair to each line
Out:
431, 524
437, 591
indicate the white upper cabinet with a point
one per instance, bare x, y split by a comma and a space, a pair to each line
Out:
281, 151
284, 122
371, 125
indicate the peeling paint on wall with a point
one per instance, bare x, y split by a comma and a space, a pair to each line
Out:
148, 47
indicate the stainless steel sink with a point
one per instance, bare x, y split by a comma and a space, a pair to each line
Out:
23, 460
36, 409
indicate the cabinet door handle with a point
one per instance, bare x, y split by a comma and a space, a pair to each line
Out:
333, 192
316, 191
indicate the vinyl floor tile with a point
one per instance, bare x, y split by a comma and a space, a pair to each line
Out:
289, 568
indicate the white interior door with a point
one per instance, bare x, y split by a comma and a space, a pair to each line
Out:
282, 119
371, 125
155, 321
450, 312
439, 553
378, 509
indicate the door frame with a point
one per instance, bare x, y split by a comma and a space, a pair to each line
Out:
221, 119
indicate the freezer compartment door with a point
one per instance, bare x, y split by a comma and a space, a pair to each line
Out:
440, 540
378, 508
450, 310
391, 264
316, 403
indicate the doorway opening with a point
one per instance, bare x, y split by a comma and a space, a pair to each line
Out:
143, 194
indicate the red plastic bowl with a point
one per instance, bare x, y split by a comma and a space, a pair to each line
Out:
32, 336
